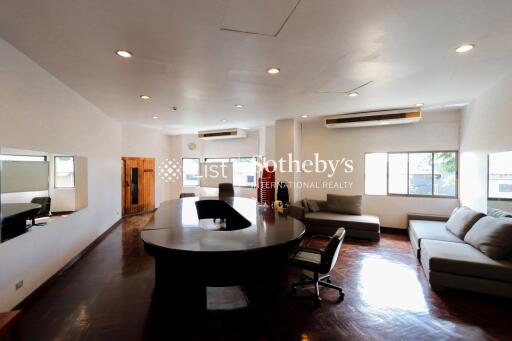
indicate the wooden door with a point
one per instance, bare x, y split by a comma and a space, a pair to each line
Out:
138, 185
149, 184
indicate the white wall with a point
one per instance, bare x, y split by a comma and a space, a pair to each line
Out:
151, 143
438, 130
289, 141
485, 129
38, 112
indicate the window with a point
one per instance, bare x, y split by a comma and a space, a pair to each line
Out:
244, 170
64, 172
413, 174
375, 174
30, 158
190, 172
500, 176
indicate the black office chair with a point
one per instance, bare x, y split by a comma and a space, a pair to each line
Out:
226, 190
44, 211
187, 195
319, 262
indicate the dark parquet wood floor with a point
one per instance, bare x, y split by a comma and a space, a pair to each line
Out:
108, 295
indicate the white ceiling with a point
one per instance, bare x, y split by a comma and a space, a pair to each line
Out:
183, 58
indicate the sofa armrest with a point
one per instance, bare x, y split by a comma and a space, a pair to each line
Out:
296, 211
425, 216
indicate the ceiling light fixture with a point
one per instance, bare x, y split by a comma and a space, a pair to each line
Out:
465, 48
419, 104
304, 116
239, 106
273, 71
145, 97
353, 94
223, 121
124, 53
155, 117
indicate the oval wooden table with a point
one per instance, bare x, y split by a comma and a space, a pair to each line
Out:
191, 254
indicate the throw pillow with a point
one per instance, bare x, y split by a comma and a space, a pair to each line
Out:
492, 236
462, 220
305, 205
313, 206
348, 204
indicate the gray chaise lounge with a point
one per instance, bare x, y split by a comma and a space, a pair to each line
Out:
450, 262
343, 211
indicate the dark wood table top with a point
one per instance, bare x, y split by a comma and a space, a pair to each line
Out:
12, 210
8, 319
176, 227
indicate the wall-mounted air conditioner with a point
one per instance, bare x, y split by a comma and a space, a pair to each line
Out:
374, 118
234, 133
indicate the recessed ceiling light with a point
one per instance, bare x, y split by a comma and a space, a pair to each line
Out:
419, 104
155, 117
304, 116
353, 94
465, 48
145, 97
224, 121
239, 106
273, 71
124, 53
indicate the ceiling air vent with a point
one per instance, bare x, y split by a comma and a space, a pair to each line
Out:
374, 118
222, 134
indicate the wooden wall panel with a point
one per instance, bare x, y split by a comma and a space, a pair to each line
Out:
149, 184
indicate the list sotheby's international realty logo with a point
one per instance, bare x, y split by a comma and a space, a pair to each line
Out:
171, 170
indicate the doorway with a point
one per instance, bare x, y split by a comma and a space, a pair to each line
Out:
138, 183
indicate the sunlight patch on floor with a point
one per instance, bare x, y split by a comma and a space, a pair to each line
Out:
386, 284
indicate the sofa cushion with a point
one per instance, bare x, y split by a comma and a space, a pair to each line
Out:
347, 204
305, 205
492, 236
463, 259
360, 222
497, 213
426, 229
313, 205
462, 220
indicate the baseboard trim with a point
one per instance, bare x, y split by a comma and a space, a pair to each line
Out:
393, 230
27, 300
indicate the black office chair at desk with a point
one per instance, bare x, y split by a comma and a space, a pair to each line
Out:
44, 211
319, 262
226, 190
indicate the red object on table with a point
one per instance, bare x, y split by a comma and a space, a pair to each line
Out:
267, 185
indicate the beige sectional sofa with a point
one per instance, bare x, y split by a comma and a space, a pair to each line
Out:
449, 261
326, 216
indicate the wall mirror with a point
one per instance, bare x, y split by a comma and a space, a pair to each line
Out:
38, 188
499, 184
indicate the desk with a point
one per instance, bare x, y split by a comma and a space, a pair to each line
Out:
189, 256
13, 218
